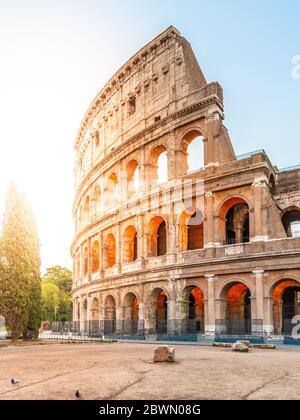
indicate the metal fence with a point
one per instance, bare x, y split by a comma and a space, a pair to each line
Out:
174, 329
127, 328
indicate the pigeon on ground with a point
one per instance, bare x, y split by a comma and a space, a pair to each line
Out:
77, 394
14, 381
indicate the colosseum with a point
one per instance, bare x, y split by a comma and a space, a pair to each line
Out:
176, 236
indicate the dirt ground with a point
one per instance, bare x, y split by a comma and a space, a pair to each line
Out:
122, 371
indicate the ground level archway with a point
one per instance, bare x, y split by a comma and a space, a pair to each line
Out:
191, 311
286, 305
110, 316
235, 309
158, 312
130, 314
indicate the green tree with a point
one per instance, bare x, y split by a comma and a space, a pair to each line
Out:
19, 270
56, 299
50, 300
61, 276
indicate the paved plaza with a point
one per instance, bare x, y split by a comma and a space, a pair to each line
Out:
122, 371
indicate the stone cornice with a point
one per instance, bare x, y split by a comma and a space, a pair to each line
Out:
206, 266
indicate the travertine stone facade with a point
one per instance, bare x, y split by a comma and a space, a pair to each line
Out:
217, 249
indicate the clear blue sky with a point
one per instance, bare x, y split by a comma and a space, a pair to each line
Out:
56, 56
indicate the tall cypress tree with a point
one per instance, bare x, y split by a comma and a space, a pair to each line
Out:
20, 288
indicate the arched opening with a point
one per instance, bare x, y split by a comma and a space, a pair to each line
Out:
291, 222
95, 257
159, 165
112, 191
236, 312
86, 209
191, 157
85, 261
133, 178
234, 217
272, 185
109, 316
191, 308
96, 199
157, 316
95, 313
161, 239
162, 313
110, 251
95, 310
286, 304
195, 154
157, 236
191, 230
130, 245
130, 314
162, 168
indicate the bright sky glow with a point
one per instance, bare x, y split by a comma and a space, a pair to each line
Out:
56, 55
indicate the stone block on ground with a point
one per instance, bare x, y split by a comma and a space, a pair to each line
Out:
240, 347
164, 354
221, 345
246, 342
265, 346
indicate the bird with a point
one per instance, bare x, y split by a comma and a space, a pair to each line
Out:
77, 394
14, 381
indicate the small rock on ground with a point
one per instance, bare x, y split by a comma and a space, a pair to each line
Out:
164, 354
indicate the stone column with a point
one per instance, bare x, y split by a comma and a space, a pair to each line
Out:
101, 312
141, 319
211, 141
171, 306
148, 181
257, 219
209, 240
140, 239
268, 311
74, 307
171, 161
88, 313
180, 168
89, 260
118, 247
171, 236
122, 184
142, 174
81, 263
81, 302
101, 266
182, 314
221, 325
257, 324
210, 328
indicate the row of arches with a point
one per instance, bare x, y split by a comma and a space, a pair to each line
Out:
158, 168
235, 311
191, 228
234, 225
